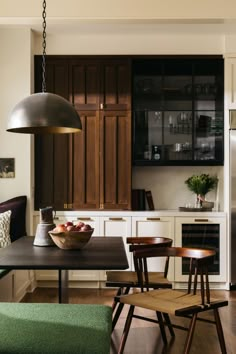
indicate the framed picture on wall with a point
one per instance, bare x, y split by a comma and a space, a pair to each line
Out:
7, 167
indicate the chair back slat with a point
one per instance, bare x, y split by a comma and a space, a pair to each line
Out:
195, 281
148, 242
190, 275
199, 261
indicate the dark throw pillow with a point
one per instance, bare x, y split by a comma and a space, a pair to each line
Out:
17, 206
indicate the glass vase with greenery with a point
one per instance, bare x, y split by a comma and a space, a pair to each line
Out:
201, 185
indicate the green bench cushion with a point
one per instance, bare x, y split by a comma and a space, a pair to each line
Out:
55, 328
4, 272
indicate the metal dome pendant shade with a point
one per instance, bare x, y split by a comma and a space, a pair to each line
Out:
44, 113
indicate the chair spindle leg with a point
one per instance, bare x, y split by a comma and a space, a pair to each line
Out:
220, 331
119, 308
162, 326
169, 325
189, 338
126, 329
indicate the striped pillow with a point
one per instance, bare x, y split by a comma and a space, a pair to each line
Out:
5, 219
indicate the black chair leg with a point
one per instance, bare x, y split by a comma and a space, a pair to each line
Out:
126, 329
117, 315
169, 325
119, 308
162, 327
189, 338
220, 331
115, 301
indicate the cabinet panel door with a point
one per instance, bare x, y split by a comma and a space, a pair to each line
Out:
115, 160
51, 151
51, 171
84, 186
155, 227
116, 85
84, 82
117, 226
61, 171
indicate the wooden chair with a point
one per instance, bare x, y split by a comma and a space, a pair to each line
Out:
126, 280
189, 303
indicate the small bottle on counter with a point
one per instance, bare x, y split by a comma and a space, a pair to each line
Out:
156, 152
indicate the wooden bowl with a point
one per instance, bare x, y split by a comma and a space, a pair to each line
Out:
71, 239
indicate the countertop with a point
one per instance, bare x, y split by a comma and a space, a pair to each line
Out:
143, 213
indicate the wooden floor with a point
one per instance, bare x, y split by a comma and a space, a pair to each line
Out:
144, 337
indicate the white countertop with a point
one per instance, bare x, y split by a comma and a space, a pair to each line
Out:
145, 213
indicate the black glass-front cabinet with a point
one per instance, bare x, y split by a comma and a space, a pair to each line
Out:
178, 111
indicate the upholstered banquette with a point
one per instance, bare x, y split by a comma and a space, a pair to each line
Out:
12, 227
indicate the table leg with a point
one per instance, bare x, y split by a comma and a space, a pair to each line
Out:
63, 296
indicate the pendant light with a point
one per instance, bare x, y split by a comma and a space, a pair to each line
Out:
44, 113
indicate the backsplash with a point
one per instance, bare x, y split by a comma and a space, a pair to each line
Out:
168, 188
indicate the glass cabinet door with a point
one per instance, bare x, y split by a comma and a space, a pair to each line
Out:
178, 112
208, 93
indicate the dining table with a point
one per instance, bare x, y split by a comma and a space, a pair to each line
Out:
100, 253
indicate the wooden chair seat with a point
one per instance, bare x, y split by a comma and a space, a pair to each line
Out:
126, 280
175, 302
165, 302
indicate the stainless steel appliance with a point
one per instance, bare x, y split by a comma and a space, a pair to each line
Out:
232, 159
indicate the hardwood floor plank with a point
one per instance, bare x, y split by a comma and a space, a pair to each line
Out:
144, 337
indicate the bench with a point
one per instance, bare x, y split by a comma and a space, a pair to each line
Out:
28, 328
4, 272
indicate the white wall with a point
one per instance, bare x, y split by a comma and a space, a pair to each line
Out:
15, 74
122, 9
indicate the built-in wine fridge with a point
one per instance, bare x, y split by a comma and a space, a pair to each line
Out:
202, 232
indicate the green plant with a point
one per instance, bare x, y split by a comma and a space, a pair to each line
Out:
202, 184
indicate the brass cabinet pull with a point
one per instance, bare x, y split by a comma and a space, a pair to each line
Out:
68, 206
84, 219
116, 219
153, 219
201, 220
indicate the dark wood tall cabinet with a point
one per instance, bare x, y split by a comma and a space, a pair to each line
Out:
92, 169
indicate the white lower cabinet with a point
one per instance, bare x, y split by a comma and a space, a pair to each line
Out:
86, 278
116, 226
204, 232
22, 283
161, 226
7, 287
14, 285
80, 278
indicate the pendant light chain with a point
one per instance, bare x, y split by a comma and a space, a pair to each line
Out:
44, 48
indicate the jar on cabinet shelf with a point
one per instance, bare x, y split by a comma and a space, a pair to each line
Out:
156, 152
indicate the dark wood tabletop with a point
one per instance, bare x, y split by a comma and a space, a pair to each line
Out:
99, 254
